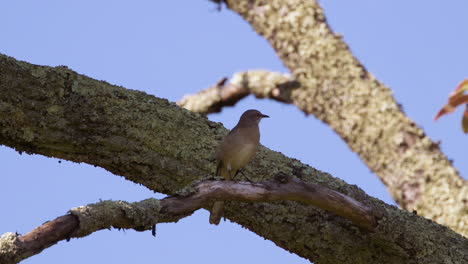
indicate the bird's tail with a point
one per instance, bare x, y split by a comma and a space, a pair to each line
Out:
217, 212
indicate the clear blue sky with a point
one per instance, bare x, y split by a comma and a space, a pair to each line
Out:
171, 48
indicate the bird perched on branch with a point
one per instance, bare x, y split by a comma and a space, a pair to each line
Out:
235, 151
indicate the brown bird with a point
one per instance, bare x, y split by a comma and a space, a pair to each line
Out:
235, 151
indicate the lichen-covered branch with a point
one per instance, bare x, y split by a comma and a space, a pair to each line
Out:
59, 113
81, 221
334, 86
144, 215
263, 84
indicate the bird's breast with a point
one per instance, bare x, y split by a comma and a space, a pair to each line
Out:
241, 155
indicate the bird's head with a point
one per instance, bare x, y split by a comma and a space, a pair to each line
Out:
252, 116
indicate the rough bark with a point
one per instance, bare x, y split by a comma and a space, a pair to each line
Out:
59, 113
336, 88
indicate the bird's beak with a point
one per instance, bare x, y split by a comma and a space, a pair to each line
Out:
263, 116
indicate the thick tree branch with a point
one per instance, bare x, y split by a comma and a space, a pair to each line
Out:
57, 112
334, 86
143, 215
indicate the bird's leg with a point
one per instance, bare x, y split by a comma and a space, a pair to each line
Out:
229, 169
242, 172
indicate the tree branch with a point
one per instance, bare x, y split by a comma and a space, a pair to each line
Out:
81, 221
15, 248
57, 112
336, 88
262, 84
283, 187
144, 215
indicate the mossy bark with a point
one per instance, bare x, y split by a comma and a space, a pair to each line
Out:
59, 113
